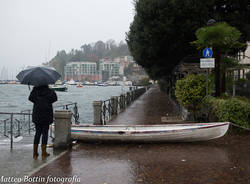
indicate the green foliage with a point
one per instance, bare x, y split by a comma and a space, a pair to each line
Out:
235, 110
224, 41
89, 52
190, 91
228, 62
221, 36
248, 75
144, 82
161, 32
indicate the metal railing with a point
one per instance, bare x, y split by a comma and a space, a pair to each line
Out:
74, 109
13, 125
114, 106
106, 110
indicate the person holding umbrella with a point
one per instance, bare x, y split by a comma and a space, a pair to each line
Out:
43, 98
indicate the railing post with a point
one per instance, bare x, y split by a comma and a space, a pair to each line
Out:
132, 95
75, 113
112, 100
128, 98
62, 129
29, 121
5, 128
114, 106
97, 106
18, 128
109, 109
11, 131
122, 102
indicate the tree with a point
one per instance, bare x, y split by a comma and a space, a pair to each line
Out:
161, 31
99, 49
59, 61
224, 41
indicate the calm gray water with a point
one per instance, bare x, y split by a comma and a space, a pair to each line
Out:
14, 98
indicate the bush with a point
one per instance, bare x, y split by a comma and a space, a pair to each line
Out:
234, 110
190, 91
144, 82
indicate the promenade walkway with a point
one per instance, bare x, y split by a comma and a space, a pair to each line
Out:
221, 161
154, 107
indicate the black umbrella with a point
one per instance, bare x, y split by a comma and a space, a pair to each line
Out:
38, 76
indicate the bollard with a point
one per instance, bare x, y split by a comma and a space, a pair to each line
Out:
122, 106
128, 98
97, 105
132, 96
114, 106
62, 129
123, 102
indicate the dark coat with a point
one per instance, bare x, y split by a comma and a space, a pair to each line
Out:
42, 97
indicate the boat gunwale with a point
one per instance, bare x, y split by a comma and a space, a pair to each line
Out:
123, 132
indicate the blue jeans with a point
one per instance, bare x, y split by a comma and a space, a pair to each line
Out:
41, 130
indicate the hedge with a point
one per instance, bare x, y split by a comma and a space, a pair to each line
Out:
234, 110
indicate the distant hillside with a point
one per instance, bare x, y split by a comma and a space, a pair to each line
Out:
89, 52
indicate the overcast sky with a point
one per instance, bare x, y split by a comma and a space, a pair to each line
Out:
32, 31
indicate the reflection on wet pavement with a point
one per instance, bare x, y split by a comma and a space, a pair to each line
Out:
222, 161
217, 162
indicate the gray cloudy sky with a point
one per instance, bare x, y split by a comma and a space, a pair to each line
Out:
32, 31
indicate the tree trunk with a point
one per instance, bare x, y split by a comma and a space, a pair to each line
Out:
217, 73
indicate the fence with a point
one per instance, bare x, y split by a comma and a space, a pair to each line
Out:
13, 125
113, 106
74, 109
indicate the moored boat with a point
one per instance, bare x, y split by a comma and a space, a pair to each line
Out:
58, 87
71, 82
3, 82
150, 133
79, 85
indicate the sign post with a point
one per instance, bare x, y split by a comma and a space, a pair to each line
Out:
207, 63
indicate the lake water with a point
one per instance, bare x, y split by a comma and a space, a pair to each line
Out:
14, 98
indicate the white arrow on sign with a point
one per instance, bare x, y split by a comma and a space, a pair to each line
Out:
207, 63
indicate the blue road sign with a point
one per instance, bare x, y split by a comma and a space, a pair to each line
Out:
207, 53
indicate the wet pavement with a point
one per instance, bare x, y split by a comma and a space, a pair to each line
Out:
222, 161
18, 162
150, 108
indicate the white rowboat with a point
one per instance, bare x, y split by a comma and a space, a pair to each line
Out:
150, 133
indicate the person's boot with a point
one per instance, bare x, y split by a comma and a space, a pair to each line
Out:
44, 153
35, 151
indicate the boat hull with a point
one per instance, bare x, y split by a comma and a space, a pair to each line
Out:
150, 133
59, 88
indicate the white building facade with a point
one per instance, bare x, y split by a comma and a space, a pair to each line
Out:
82, 71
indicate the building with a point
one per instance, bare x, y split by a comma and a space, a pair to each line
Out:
111, 67
124, 58
244, 58
82, 71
